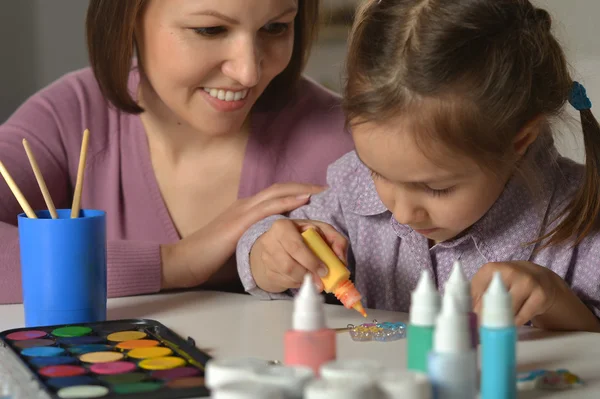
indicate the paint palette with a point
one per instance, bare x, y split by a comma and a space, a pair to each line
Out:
114, 359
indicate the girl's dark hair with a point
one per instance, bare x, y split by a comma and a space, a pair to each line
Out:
471, 74
110, 28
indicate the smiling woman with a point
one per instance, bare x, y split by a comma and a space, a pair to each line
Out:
201, 123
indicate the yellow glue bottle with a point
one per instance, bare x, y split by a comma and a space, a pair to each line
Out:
337, 281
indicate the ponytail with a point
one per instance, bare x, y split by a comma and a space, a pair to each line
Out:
582, 216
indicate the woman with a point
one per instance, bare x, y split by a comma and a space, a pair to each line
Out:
192, 141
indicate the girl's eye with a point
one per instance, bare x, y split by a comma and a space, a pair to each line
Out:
439, 193
210, 31
276, 28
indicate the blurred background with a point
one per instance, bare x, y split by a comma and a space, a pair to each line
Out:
41, 40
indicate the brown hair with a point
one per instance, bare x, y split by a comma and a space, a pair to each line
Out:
466, 67
110, 27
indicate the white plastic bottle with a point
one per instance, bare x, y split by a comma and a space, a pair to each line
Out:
460, 288
247, 390
453, 362
290, 379
404, 384
222, 371
341, 389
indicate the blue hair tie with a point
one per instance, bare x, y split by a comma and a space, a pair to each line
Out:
578, 97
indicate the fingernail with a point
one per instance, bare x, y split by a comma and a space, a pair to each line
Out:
322, 272
303, 197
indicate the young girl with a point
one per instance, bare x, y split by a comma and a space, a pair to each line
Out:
450, 105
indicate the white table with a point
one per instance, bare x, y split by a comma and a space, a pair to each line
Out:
233, 325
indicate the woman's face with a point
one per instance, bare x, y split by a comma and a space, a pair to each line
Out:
206, 62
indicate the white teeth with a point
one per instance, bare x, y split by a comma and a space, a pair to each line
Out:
227, 95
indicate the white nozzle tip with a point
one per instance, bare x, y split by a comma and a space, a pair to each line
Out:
458, 274
309, 314
425, 283
425, 302
497, 285
308, 285
497, 309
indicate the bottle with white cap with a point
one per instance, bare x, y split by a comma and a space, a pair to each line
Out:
290, 379
222, 371
309, 343
424, 308
453, 362
498, 343
460, 288
367, 369
247, 390
404, 384
340, 389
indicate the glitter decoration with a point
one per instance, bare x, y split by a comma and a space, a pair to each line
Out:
375, 331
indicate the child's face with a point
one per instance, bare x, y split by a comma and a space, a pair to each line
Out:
438, 200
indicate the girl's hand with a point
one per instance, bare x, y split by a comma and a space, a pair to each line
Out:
280, 259
533, 288
194, 259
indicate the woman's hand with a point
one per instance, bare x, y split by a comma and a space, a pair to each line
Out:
538, 294
280, 259
194, 259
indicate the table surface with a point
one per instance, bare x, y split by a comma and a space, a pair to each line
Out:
235, 325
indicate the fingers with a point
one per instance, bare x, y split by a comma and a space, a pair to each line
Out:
293, 244
336, 241
281, 190
530, 307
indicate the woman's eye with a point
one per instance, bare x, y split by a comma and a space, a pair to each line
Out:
276, 28
210, 31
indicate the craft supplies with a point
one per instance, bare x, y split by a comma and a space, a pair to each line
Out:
424, 308
337, 281
309, 343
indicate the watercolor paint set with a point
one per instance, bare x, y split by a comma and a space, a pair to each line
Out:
135, 358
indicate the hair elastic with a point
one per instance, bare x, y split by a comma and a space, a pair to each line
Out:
578, 97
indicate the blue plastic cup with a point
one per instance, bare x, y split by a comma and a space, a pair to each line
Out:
63, 267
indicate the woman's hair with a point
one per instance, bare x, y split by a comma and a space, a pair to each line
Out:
469, 74
110, 28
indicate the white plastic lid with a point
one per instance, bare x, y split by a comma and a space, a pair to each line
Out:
291, 379
222, 371
452, 331
309, 314
425, 302
404, 384
497, 311
356, 369
247, 390
460, 287
340, 389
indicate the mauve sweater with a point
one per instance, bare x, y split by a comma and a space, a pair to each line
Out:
296, 143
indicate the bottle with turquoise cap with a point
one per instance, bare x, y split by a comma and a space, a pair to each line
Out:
498, 336
424, 309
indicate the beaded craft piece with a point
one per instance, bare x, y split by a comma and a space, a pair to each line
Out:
554, 380
375, 331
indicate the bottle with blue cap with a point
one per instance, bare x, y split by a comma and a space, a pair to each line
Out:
498, 336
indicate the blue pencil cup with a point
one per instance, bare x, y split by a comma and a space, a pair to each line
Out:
63, 267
